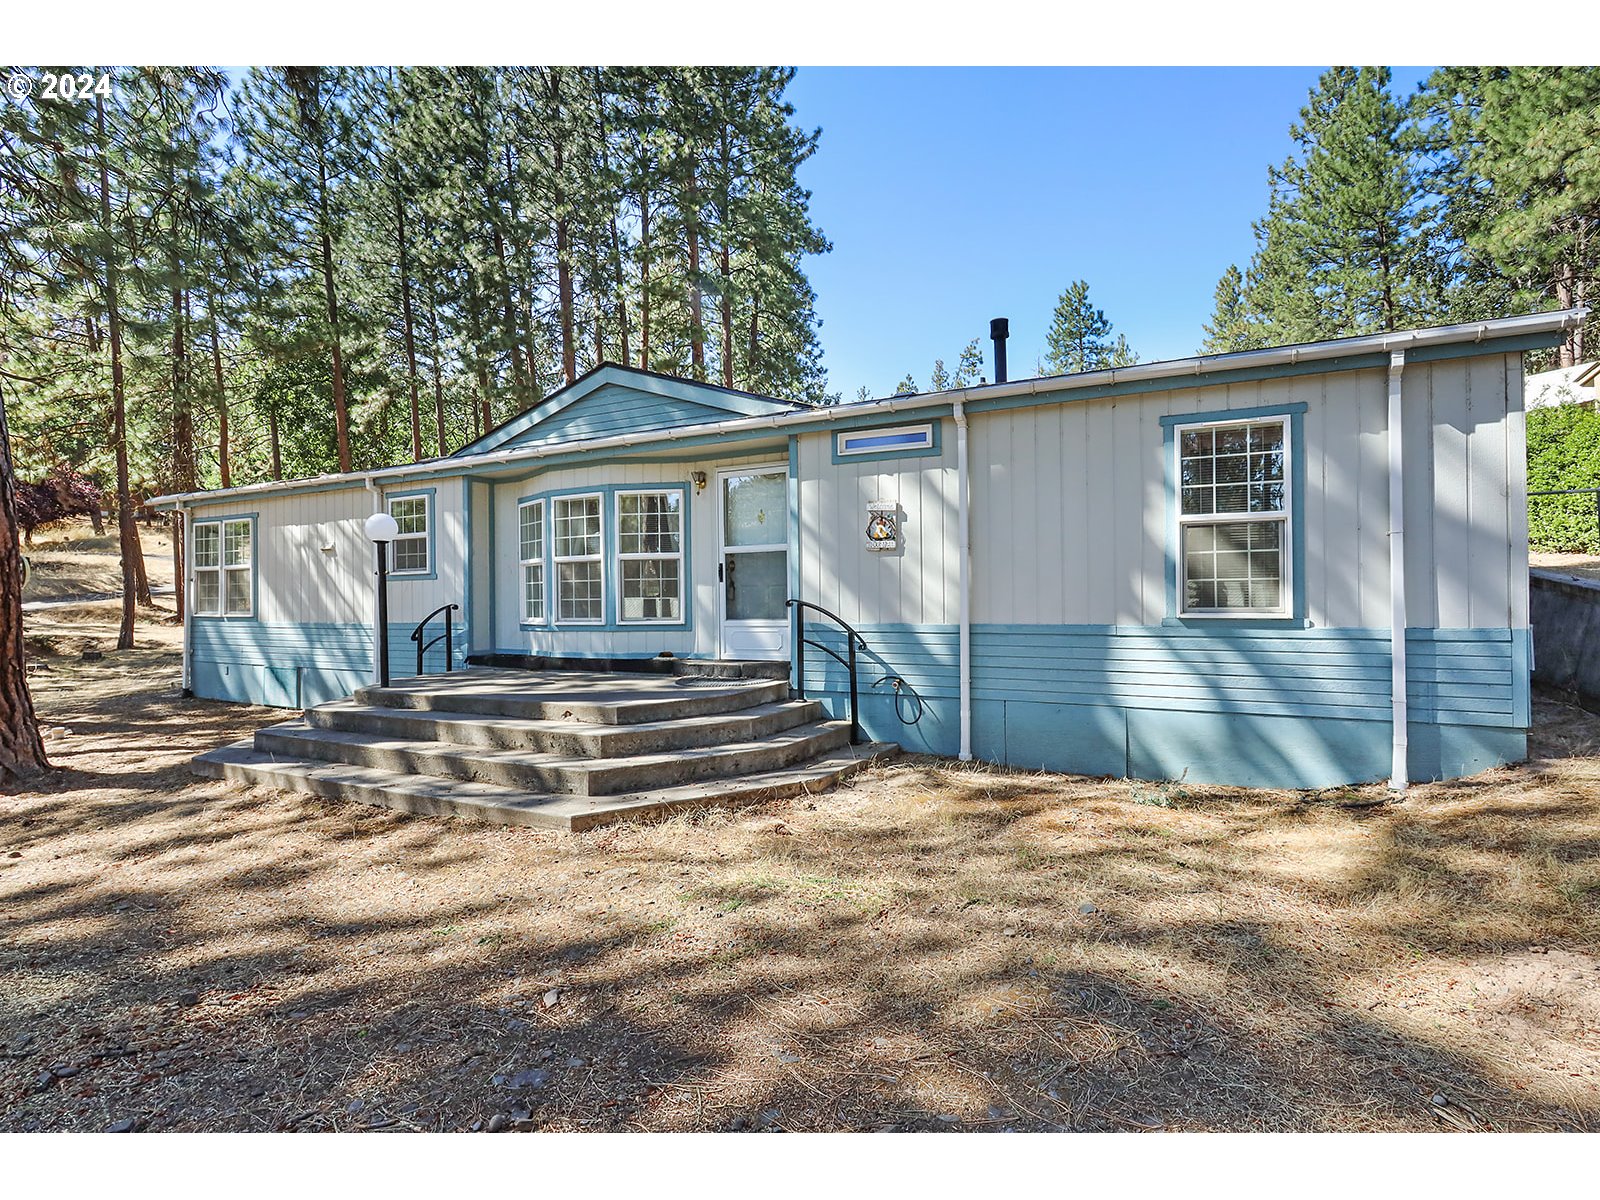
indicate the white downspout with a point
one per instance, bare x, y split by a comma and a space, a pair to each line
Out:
377, 634
964, 544
186, 594
1397, 572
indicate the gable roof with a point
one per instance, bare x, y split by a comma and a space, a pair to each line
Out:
614, 399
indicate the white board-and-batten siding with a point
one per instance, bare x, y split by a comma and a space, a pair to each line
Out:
310, 638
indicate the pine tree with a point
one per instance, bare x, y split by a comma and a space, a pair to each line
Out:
1513, 154
21, 749
1231, 327
1342, 250
1079, 338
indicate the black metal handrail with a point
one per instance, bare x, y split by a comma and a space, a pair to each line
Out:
851, 641
423, 648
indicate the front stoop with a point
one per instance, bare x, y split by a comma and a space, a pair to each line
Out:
554, 750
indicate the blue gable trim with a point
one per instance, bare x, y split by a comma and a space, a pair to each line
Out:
613, 399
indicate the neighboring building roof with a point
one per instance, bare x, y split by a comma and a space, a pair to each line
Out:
1564, 385
780, 417
616, 399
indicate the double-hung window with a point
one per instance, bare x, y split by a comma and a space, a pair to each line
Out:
1233, 518
224, 568
650, 556
577, 543
531, 558
409, 552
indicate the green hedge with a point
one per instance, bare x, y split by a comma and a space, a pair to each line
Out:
1563, 452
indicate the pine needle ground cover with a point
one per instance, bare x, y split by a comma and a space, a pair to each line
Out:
935, 947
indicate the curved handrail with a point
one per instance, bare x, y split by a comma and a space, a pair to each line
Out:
424, 647
852, 642
834, 617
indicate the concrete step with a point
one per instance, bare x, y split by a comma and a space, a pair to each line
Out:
571, 738
569, 774
432, 796
570, 696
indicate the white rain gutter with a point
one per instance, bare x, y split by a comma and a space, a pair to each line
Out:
1397, 571
964, 586
1064, 385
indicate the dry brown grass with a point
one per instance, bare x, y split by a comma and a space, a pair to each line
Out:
906, 952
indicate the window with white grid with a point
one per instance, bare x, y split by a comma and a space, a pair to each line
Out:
1234, 518
224, 568
531, 558
408, 553
650, 556
576, 543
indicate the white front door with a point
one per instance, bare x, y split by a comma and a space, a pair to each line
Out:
753, 562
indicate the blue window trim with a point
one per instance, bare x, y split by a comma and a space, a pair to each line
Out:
1295, 414
431, 496
932, 450
254, 616
610, 561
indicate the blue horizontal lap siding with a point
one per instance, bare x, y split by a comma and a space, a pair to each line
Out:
613, 410
295, 665
1273, 708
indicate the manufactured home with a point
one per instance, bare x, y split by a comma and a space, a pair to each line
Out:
1296, 567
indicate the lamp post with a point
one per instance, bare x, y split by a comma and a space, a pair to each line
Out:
382, 529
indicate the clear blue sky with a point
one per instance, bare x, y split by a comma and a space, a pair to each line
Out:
952, 195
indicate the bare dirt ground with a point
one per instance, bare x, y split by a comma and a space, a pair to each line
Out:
934, 947
1580, 566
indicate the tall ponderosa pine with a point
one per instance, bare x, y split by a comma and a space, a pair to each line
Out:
1513, 155
1231, 327
1079, 338
1343, 249
21, 749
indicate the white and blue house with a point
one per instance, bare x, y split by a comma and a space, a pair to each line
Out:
1301, 567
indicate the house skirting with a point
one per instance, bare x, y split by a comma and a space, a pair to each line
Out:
1289, 709
287, 665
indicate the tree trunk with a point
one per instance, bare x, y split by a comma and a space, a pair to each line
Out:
569, 344
697, 323
1570, 352
341, 410
755, 334
275, 443
132, 558
727, 317
406, 316
183, 458
21, 749
485, 421
614, 204
438, 404
222, 404
644, 279
519, 378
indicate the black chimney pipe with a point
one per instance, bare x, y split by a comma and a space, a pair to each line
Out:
999, 331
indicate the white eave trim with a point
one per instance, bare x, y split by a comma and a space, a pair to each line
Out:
1476, 331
